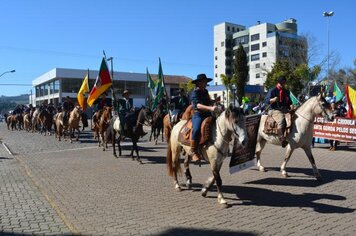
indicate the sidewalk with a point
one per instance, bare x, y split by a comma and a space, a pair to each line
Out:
23, 207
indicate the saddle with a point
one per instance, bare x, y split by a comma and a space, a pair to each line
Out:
185, 134
270, 126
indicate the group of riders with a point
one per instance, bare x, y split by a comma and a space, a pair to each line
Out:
203, 106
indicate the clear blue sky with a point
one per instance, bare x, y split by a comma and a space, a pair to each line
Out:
39, 35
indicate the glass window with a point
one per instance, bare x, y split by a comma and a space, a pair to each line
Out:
216, 75
258, 65
216, 66
242, 40
258, 75
264, 44
233, 29
56, 86
255, 37
255, 57
216, 49
228, 28
222, 44
216, 57
255, 47
264, 54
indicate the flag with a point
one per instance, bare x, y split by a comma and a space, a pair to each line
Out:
102, 83
160, 87
150, 83
294, 100
351, 102
337, 93
83, 89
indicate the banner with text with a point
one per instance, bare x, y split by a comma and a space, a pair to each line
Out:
341, 129
244, 157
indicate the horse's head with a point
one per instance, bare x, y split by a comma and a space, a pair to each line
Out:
323, 108
236, 123
145, 115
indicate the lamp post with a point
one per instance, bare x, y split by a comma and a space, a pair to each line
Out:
328, 15
113, 99
10, 71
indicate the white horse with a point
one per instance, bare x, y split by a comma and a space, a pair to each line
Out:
301, 134
228, 124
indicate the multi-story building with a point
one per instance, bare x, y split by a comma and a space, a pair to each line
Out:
264, 44
54, 85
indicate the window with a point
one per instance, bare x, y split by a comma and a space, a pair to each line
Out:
264, 44
255, 57
258, 75
255, 37
233, 29
255, 47
228, 28
216, 75
264, 54
242, 40
257, 65
216, 57
216, 49
222, 44
216, 66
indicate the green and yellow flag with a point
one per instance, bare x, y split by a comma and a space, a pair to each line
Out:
294, 99
160, 87
337, 93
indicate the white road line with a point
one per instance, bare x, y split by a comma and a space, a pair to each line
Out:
7, 149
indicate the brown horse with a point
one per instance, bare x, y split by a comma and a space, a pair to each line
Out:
46, 121
73, 122
11, 121
157, 124
103, 125
27, 122
58, 125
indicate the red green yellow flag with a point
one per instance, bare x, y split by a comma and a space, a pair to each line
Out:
102, 83
351, 102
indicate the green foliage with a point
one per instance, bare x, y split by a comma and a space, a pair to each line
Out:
241, 69
188, 87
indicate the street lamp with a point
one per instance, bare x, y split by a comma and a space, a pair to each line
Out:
328, 15
113, 98
10, 71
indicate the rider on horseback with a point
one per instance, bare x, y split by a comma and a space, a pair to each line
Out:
67, 106
180, 103
126, 111
202, 107
281, 103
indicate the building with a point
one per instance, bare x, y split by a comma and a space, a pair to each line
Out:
56, 84
264, 43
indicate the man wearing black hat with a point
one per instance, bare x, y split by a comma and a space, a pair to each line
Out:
67, 107
281, 103
202, 107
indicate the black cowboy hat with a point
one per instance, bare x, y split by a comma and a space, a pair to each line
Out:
281, 79
201, 77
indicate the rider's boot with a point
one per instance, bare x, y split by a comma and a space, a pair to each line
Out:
282, 137
194, 149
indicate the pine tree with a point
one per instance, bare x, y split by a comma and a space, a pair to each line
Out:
241, 69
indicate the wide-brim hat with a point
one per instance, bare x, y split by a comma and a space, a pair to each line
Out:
201, 77
125, 92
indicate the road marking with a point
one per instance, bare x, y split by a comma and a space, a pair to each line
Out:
7, 149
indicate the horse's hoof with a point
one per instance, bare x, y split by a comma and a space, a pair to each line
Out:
178, 189
204, 193
262, 169
224, 205
285, 174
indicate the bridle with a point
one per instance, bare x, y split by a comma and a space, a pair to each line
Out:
323, 112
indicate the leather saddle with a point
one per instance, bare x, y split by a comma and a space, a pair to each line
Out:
185, 134
270, 126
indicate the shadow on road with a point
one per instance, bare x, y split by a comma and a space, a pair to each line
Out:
265, 197
307, 179
187, 232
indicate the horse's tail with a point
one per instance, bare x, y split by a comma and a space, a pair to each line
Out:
173, 166
169, 159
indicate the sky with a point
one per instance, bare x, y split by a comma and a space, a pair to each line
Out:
39, 35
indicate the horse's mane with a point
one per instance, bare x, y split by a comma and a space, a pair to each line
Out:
305, 103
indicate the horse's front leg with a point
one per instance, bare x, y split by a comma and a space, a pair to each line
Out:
134, 146
187, 173
308, 152
221, 199
102, 139
113, 137
207, 186
286, 159
259, 147
151, 134
78, 132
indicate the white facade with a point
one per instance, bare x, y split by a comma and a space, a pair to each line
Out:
222, 38
263, 44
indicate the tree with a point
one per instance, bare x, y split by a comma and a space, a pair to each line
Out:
227, 81
188, 87
241, 69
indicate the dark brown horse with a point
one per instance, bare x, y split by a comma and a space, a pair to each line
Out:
46, 121
157, 124
134, 124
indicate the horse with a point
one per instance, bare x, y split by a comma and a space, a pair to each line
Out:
157, 124
58, 125
73, 122
46, 120
134, 124
301, 133
230, 123
103, 125
11, 121
27, 121
35, 121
